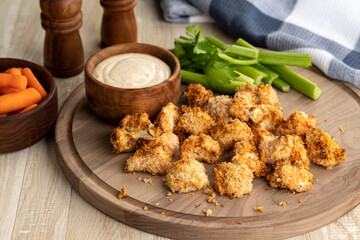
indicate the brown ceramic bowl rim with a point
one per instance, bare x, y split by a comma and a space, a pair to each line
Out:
113, 50
44, 102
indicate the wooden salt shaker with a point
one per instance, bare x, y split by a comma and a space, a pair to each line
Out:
118, 22
63, 50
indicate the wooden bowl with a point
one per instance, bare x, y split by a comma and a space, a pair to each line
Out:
113, 103
22, 130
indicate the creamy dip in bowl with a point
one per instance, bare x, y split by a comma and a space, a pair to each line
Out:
132, 70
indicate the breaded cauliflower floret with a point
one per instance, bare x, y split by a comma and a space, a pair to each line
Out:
139, 126
267, 95
122, 141
293, 177
186, 175
169, 141
218, 107
152, 158
323, 149
245, 152
242, 105
282, 148
201, 148
167, 117
196, 95
193, 121
267, 116
297, 123
261, 134
227, 133
233, 180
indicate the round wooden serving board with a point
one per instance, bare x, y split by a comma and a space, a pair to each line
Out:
86, 158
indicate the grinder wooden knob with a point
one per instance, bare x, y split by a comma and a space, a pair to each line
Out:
63, 50
118, 22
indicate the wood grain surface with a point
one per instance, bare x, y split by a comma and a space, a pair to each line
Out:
37, 201
85, 155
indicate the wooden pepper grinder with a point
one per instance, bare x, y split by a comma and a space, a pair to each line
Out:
118, 22
63, 50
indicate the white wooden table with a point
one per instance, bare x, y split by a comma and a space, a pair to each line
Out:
36, 201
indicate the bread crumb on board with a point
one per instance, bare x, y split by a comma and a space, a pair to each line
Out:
209, 191
122, 193
240, 223
283, 204
300, 200
162, 213
169, 194
157, 204
231, 223
260, 209
341, 129
207, 212
145, 208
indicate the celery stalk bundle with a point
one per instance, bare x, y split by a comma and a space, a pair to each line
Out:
223, 68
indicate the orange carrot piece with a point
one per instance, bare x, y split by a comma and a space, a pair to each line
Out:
4, 90
12, 81
33, 82
3, 115
28, 108
14, 71
16, 101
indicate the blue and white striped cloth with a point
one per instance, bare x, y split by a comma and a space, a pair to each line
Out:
327, 29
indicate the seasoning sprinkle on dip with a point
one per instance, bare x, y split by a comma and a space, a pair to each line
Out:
132, 70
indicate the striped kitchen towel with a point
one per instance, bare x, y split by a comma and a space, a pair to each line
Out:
327, 29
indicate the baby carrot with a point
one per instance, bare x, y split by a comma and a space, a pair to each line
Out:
5, 90
28, 108
33, 82
13, 81
15, 101
14, 71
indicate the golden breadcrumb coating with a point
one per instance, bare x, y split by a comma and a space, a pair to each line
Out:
323, 149
227, 133
193, 121
258, 105
201, 148
167, 118
139, 126
245, 152
267, 95
267, 116
293, 177
169, 141
284, 147
122, 141
152, 158
218, 107
233, 180
186, 175
261, 133
297, 123
196, 95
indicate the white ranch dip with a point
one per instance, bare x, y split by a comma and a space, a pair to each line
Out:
132, 70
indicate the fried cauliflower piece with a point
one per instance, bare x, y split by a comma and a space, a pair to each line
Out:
323, 149
167, 117
186, 175
297, 123
152, 158
242, 105
196, 95
122, 141
234, 180
261, 134
193, 121
169, 141
267, 95
267, 116
245, 152
201, 148
218, 107
288, 175
227, 133
281, 148
139, 126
